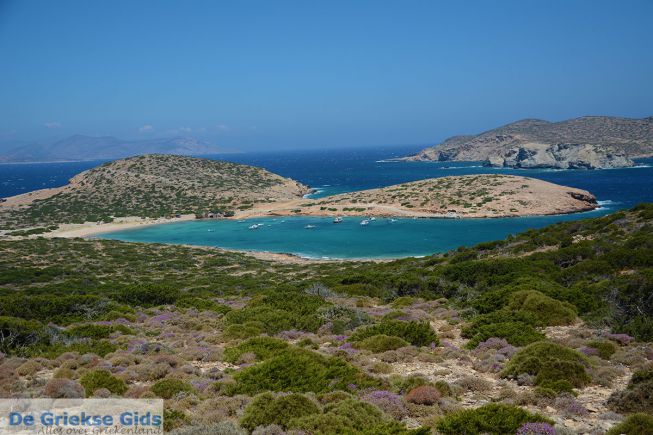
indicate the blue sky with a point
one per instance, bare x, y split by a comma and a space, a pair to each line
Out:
293, 74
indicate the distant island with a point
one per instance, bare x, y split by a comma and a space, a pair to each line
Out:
81, 147
157, 188
591, 142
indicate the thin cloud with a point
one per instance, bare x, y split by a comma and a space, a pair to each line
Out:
146, 128
52, 124
222, 127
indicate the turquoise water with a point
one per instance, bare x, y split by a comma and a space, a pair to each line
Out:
337, 171
382, 238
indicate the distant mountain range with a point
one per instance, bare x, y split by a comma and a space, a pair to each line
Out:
588, 142
80, 147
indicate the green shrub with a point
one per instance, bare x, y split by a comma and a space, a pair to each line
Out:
342, 317
148, 295
202, 304
280, 311
403, 302
262, 347
266, 409
554, 366
169, 388
381, 343
97, 379
96, 331
100, 348
346, 416
300, 371
244, 331
638, 395
54, 308
18, 333
636, 424
546, 310
515, 333
495, 419
415, 333
604, 347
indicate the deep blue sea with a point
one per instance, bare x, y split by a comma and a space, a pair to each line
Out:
337, 171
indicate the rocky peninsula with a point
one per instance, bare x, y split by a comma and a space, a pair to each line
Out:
470, 196
593, 142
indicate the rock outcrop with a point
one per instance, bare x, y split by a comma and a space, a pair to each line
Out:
561, 156
589, 143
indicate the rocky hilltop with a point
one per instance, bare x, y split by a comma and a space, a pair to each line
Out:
150, 186
476, 196
591, 142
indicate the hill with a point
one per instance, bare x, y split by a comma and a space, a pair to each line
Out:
487, 195
556, 321
150, 186
589, 142
81, 147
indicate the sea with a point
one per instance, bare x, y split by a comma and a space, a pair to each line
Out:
343, 170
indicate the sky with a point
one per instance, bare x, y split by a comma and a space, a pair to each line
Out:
265, 75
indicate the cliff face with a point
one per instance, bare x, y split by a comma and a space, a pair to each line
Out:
590, 143
561, 156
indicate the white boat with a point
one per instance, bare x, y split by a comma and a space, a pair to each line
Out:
365, 222
255, 226
309, 227
337, 220
372, 218
393, 220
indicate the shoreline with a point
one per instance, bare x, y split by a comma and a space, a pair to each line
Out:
91, 229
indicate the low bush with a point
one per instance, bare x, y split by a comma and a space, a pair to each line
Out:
202, 304
381, 343
97, 347
515, 333
636, 424
343, 318
604, 348
18, 333
388, 402
148, 295
299, 370
222, 428
347, 417
415, 333
546, 310
96, 331
266, 409
554, 366
495, 419
638, 395
97, 379
59, 388
424, 395
169, 388
262, 347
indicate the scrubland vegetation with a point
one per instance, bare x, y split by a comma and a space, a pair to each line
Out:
545, 332
151, 186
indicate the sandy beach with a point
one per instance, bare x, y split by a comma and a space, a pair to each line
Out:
89, 229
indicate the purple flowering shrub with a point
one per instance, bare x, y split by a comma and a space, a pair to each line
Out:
536, 429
